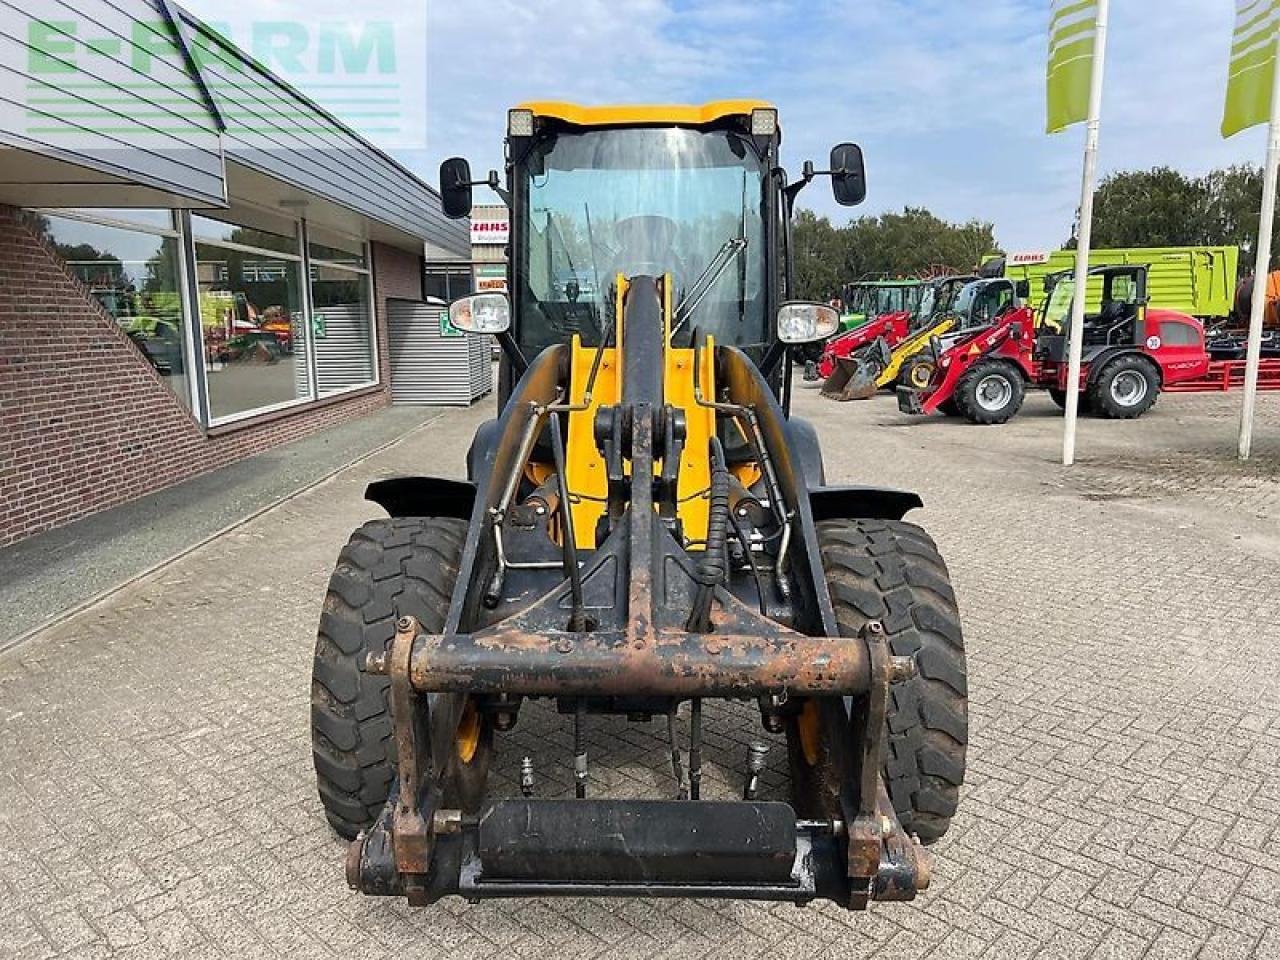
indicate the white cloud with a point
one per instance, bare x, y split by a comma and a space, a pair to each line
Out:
947, 96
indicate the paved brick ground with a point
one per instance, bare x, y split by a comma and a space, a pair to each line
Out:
156, 795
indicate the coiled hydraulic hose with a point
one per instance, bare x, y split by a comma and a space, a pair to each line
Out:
713, 567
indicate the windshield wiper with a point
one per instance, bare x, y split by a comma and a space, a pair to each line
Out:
731, 250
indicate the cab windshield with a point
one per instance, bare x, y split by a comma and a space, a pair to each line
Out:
928, 297
1057, 308
984, 302
641, 202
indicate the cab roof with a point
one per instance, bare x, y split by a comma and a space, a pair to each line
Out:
642, 113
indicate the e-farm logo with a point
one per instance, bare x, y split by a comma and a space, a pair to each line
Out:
89, 82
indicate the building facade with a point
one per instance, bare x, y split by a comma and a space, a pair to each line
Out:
195, 261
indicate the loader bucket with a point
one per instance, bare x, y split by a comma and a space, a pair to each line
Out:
854, 377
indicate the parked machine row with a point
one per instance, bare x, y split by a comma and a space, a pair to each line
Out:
1131, 353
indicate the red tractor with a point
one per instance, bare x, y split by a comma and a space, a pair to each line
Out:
1130, 354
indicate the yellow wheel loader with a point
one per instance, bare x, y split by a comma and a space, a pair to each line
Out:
645, 531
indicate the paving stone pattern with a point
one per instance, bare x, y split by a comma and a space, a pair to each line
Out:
157, 797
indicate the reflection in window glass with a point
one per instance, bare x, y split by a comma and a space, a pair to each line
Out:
209, 228
135, 276
251, 329
342, 327
160, 219
336, 248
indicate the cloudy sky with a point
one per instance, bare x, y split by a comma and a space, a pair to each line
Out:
946, 96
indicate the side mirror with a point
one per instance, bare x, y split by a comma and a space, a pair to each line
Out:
455, 188
803, 322
1022, 289
481, 313
848, 176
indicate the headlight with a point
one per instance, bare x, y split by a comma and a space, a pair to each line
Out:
481, 313
806, 322
764, 121
519, 123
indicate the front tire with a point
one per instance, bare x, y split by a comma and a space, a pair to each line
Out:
403, 566
891, 571
917, 372
1126, 388
991, 392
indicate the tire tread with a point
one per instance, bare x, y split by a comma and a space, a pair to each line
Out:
402, 566
890, 570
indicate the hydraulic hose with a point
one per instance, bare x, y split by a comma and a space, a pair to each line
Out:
713, 567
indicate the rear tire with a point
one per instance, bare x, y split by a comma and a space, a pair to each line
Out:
1126, 388
891, 571
991, 392
404, 566
1060, 398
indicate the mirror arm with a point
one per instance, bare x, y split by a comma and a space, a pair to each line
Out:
777, 350
513, 353
792, 190
492, 183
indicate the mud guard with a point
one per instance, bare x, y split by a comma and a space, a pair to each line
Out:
423, 497
862, 503
803, 437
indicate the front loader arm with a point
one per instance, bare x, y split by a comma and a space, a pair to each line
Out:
644, 608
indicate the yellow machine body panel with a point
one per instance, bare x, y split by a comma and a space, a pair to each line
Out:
588, 479
621, 115
909, 347
694, 483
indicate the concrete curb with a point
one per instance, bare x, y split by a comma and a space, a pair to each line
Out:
8, 646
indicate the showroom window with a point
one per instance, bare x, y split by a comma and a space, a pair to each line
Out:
252, 335
448, 283
129, 261
341, 312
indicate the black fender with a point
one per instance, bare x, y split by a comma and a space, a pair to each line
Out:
423, 497
802, 437
861, 503
482, 446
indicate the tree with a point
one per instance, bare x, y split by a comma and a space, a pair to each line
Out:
910, 243
818, 256
1162, 207
1150, 208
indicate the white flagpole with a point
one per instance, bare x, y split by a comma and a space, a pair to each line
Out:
1083, 238
1262, 263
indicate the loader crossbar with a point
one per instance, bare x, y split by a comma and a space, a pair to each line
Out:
669, 664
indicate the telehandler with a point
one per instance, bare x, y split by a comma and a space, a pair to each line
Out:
643, 528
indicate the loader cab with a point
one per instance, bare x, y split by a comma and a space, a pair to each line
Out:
981, 303
695, 194
1115, 309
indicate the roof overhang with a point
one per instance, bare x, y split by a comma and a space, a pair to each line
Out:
30, 178
264, 191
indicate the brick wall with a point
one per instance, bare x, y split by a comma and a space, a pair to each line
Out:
85, 421
396, 275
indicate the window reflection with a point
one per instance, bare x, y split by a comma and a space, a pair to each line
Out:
251, 329
134, 275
